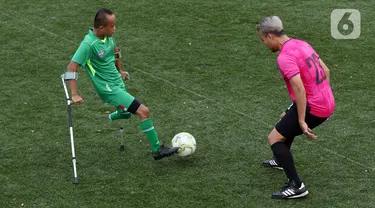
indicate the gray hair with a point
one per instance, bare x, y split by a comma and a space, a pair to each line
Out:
271, 25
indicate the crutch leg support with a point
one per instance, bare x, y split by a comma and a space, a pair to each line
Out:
65, 77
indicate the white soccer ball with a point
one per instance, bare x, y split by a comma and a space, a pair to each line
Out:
186, 142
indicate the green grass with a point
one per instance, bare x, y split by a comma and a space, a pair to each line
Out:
224, 88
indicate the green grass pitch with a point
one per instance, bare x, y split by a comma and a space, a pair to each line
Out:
201, 68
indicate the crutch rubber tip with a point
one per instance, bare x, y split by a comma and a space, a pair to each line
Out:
75, 180
122, 147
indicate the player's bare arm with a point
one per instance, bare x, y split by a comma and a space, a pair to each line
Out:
300, 96
124, 74
325, 68
73, 67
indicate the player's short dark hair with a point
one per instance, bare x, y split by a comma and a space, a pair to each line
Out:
101, 17
279, 33
276, 33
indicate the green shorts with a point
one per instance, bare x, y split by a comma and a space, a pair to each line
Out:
119, 98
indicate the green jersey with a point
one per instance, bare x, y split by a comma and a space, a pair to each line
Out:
98, 59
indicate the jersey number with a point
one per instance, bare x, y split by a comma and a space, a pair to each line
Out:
320, 75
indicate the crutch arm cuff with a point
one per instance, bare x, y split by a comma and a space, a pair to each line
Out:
70, 76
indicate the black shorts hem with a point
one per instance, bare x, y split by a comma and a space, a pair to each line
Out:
134, 106
288, 126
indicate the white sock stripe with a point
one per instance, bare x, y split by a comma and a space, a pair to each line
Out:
149, 129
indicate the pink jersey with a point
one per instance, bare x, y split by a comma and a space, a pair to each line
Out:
298, 57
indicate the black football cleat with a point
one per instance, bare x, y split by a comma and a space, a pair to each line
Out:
291, 191
164, 151
272, 164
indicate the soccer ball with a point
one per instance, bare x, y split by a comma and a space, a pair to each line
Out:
186, 142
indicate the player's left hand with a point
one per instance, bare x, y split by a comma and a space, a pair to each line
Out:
307, 131
124, 75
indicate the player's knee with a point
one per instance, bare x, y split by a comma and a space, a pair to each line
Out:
143, 112
270, 139
274, 137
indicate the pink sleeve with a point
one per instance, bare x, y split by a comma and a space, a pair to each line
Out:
288, 66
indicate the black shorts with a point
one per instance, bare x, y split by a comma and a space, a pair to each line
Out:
289, 127
134, 106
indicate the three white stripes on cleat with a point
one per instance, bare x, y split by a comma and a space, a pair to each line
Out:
288, 192
273, 162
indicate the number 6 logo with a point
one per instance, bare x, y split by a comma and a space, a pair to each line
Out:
345, 24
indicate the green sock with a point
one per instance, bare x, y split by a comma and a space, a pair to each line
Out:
151, 134
119, 114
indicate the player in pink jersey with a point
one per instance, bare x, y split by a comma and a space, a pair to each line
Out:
307, 79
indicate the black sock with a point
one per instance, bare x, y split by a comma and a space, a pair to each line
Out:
288, 142
285, 158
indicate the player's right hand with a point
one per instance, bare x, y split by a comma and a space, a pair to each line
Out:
77, 99
307, 131
124, 75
